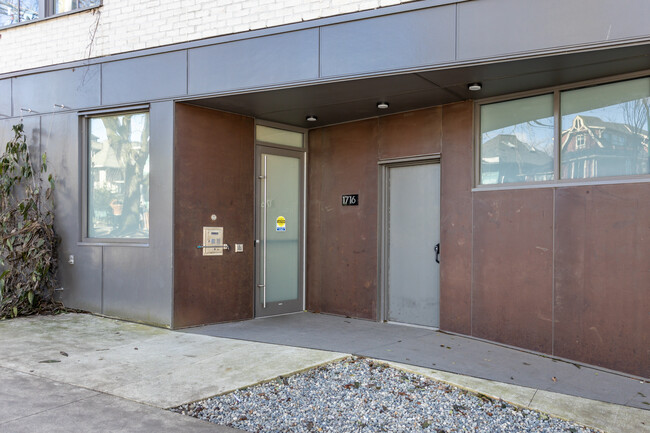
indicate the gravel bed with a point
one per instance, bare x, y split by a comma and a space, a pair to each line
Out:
361, 395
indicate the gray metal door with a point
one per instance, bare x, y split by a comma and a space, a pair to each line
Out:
279, 243
413, 242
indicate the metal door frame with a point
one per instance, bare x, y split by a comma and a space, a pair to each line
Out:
300, 154
382, 223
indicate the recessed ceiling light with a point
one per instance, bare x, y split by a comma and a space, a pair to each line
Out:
474, 87
311, 118
382, 105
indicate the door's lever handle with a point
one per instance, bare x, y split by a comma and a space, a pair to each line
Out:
437, 250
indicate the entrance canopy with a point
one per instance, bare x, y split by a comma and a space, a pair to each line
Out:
356, 98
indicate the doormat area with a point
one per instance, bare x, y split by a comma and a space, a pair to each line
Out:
363, 395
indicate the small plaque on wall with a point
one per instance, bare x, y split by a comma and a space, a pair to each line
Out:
350, 199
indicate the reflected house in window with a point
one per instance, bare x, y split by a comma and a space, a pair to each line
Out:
507, 159
596, 148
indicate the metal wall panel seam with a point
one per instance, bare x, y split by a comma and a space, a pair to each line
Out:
101, 84
553, 279
101, 308
456, 33
187, 72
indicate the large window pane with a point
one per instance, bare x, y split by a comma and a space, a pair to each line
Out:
118, 176
61, 6
8, 12
517, 141
605, 130
28, 10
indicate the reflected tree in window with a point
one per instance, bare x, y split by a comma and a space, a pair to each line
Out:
118, 188
16, 11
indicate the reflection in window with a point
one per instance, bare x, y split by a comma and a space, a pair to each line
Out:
17, 11
612, 120
517, 141
61, 6
118, 176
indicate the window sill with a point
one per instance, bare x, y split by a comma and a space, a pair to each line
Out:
51, 17
563, 184
114, 243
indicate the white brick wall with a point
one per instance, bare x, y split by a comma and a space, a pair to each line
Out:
126, 25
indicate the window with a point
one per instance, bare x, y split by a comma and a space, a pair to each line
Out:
602, 132
61, 6
21, 11
18, 11
614, 118
118, 176
517, 141
283, 137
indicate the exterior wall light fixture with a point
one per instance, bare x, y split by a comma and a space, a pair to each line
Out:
382, 105
311, 118
474, 87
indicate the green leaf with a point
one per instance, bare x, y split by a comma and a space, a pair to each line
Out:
30, 297
15, 311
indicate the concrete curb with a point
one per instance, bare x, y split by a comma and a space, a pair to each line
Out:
607, 417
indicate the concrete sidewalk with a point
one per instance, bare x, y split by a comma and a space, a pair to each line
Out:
78, 373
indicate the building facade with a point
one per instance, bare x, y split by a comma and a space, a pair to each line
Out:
477, 166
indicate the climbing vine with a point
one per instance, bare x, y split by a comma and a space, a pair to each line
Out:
27, 240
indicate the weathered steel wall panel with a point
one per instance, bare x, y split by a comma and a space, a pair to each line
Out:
75, 88
144, 78
456, 218
411, 133
213, 174
138, 280
314, 250
276, 59
492, 28
602, 276
343, 160
513, 267
389, 42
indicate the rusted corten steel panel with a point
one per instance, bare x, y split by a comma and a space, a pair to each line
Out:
343, 161
456, 218
602, 276
213, 174
409, 134
513, 267
314, 235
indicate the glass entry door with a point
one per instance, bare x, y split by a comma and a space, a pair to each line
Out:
279, 245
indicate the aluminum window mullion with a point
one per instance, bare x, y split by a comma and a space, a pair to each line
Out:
557, 137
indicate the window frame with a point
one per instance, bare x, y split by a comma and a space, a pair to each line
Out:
84, 136
46, 12
557, 180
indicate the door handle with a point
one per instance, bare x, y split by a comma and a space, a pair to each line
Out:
437, 250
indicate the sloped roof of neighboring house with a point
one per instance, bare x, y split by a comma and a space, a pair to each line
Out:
593, 122
106, 158
507, 148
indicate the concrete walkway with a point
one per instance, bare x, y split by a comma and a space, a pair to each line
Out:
78, 373
594, 397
